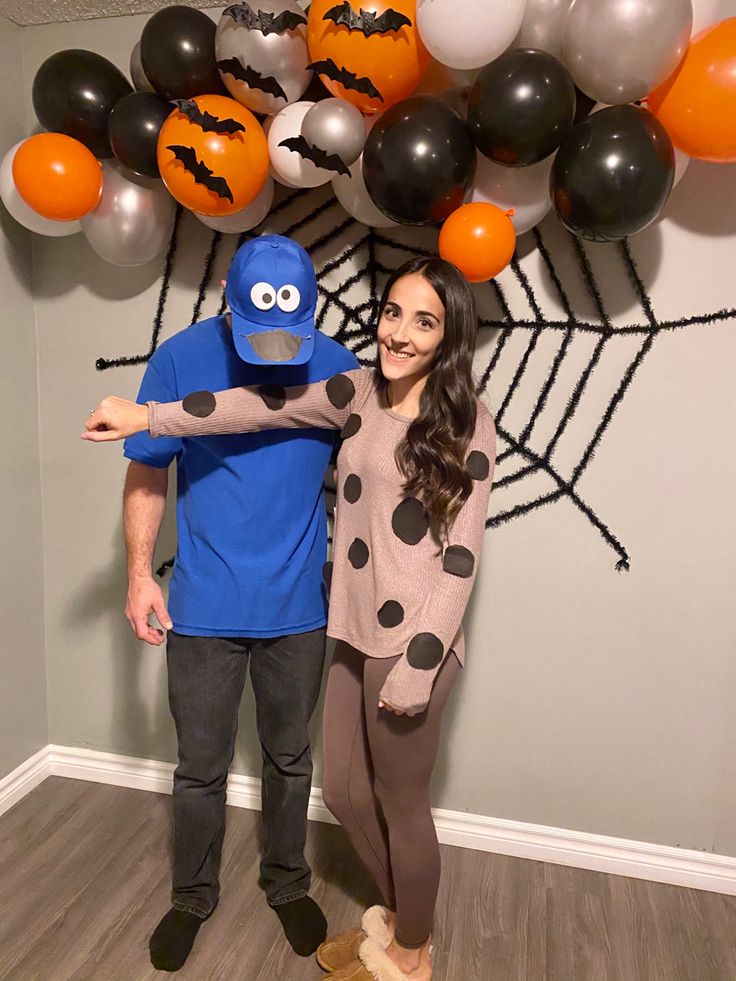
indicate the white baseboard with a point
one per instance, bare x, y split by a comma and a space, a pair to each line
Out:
24, 779
577, 849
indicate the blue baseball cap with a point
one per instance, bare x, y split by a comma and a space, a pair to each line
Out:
272, 294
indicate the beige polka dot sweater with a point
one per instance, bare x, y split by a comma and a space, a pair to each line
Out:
393, 589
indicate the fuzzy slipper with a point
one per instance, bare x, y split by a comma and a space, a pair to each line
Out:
338, 952
378, 964
374, 923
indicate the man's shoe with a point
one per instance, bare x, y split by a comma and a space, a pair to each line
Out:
304, 924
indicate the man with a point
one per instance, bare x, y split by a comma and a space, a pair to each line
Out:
246, 586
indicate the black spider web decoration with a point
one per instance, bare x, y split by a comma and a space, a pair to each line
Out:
373, 254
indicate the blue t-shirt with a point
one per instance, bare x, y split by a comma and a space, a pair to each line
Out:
251, 524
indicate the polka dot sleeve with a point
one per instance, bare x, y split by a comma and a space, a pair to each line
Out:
409, 685
329, 404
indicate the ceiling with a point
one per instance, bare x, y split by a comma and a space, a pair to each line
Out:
55, 11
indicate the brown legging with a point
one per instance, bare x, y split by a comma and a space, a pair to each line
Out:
377, 770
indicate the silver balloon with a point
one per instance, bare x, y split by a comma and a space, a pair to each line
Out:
619, 50
352, 194
137, 75
335, 126
132, 223
242, 221
543, 25
282, 57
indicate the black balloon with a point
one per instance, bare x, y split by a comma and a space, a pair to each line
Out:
419, 161
613, 174
521, 107
74, 92
133, 130
178, 53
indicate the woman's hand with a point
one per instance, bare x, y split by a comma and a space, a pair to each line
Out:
115, 418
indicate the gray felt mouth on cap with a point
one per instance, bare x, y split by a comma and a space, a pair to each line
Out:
275, 345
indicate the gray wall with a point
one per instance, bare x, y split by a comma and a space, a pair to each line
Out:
591, 700
23, 721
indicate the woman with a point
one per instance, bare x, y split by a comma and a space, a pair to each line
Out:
414, 476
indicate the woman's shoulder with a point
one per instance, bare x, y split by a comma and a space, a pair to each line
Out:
365, 382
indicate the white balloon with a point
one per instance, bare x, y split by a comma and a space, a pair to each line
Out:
133, 221
468, 33
352, 194
288, 166
525, 189
705, 14
22, 212
682, 162
242, 221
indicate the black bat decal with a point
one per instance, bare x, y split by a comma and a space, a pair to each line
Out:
252, 77
350, 80
243, 13
366, 21
205, 120
201, 172
319, 157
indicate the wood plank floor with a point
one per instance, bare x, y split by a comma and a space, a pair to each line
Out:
84, 878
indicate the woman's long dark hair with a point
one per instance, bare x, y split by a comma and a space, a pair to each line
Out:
432, 455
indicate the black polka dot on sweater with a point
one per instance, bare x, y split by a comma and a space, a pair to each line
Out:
273, 395
391, 614
478, 465
327, 576
410, 521
340, 390
200, 404
458, 561
351, 427
424, 652
352, 488
358, 553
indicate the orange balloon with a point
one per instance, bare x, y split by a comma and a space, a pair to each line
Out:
377, 61
697, 103
479, 239
57, 176
213, 155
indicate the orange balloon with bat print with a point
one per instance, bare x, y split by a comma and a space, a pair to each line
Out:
368, 53
212, 154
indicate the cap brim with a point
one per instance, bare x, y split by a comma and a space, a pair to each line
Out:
273, 347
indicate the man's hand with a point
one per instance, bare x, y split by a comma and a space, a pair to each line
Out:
145, 597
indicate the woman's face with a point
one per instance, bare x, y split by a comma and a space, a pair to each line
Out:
411, 328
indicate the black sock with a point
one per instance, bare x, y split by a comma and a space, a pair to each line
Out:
173, 938
304, 924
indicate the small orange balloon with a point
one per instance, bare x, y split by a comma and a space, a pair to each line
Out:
697, 103
213, 155
479, 239
368, 52
57, 176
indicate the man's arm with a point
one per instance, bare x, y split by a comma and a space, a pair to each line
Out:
144, 503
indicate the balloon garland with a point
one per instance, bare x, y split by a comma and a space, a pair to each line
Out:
503, 120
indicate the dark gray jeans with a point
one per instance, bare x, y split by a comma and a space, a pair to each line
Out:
206, 679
